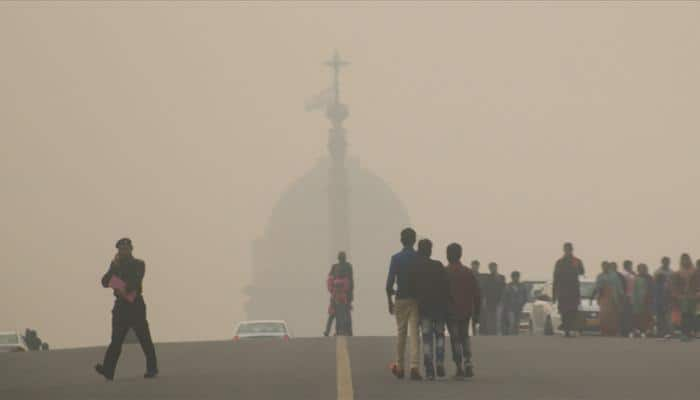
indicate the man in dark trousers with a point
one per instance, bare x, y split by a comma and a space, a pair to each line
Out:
622, 299
494, 289
129, 310
342, 268
480, 328
629, 276
662, 297
567, 293
514, 300
432, 293
464, 304
405, 308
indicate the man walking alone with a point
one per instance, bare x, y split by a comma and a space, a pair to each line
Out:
129, 310
567, 290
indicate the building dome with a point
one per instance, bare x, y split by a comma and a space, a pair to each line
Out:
292, 259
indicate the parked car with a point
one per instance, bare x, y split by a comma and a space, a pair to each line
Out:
545, 316
261, 330
11, 342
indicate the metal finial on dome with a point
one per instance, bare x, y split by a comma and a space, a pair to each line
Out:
336, 63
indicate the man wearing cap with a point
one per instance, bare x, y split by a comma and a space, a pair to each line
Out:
125, 277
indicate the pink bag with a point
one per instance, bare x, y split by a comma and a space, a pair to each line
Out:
117, 284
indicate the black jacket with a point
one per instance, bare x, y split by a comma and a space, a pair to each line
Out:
131, 271
493, 290
432, 288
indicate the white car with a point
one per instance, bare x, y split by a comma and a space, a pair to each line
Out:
534, 289
261, 330
544, 313
11, 342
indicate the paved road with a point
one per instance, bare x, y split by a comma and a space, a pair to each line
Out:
519, 368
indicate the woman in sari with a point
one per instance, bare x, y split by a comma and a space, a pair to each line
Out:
609, 292
684, 291
642, 301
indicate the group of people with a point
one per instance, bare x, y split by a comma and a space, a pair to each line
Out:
425, 297
632, 300
423, 294
501, 303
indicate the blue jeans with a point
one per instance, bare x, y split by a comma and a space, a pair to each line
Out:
512, 327
433, 332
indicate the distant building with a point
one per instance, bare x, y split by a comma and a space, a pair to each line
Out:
337, 206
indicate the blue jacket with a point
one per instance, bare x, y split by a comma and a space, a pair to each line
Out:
402, 274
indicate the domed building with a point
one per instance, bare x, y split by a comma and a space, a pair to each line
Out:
337, 206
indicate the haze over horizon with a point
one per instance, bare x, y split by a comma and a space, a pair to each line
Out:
507, 127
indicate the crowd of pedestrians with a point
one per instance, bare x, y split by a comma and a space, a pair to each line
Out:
635, 303
501, 303
427, 297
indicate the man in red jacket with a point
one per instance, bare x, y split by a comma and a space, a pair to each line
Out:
464, 305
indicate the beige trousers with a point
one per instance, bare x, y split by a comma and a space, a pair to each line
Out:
407, 321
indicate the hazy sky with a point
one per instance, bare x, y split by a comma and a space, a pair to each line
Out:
508, 127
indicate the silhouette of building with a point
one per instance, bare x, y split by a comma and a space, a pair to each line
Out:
336, 206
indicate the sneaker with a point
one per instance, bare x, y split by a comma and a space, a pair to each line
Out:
440, 371
101, 370
631, 335
151, 374
415, 375
643, 335
398, 372
468, 371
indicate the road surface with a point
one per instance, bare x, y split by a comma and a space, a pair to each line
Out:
519, 368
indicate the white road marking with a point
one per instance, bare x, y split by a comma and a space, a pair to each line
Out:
343, 370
